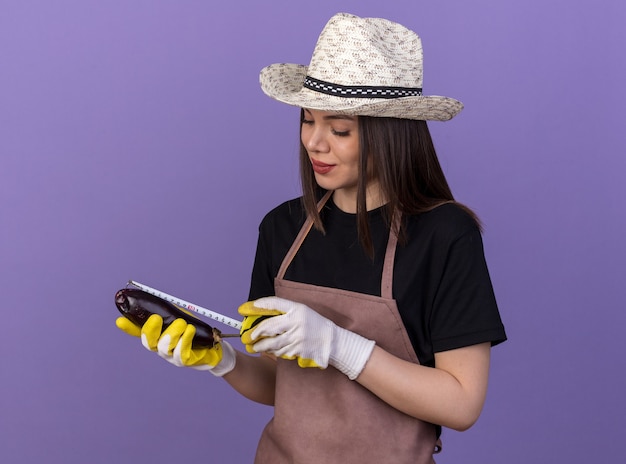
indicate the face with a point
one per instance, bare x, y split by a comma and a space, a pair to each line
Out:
332, 143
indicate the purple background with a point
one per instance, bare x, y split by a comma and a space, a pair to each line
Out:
135, 143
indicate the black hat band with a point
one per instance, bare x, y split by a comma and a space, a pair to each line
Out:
360, 91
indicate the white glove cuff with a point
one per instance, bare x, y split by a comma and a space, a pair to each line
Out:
351, 352
228, 361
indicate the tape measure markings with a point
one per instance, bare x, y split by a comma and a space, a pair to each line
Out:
234, 323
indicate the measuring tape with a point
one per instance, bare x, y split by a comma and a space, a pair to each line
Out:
234, 323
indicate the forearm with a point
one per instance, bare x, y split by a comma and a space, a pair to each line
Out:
451, 395
254, 377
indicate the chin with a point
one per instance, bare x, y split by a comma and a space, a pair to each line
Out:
325, 183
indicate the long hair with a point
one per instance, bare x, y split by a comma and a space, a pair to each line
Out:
400, 154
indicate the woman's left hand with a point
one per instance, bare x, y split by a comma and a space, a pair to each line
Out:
301, 333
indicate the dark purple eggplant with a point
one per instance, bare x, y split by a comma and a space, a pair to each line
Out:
138, 305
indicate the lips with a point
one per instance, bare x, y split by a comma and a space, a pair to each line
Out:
321, 168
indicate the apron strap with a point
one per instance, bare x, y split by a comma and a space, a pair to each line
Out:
295, 246
386, 284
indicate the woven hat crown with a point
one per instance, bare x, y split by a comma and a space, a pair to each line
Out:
360, 66
368, 52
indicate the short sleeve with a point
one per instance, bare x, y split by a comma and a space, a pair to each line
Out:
262, 282
465, 311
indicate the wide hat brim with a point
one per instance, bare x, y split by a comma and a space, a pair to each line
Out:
284, 82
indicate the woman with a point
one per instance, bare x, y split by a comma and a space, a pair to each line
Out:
370, 300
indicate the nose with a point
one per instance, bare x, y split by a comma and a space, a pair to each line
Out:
314, 140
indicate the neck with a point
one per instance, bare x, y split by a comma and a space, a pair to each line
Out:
346, 200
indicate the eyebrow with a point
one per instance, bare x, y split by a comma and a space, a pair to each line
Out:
334, 116
339, 116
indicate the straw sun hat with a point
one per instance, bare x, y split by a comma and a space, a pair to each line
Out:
360, 66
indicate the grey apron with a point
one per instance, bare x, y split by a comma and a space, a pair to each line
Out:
322, 417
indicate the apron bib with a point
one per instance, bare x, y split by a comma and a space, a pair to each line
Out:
321, 416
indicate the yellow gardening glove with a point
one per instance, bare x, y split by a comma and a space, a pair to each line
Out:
149, 333
174, 345
125, 325
252, 316
297, 332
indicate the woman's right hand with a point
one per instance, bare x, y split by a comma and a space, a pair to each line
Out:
174, 344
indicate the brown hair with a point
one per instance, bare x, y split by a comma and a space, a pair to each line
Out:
402, 158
